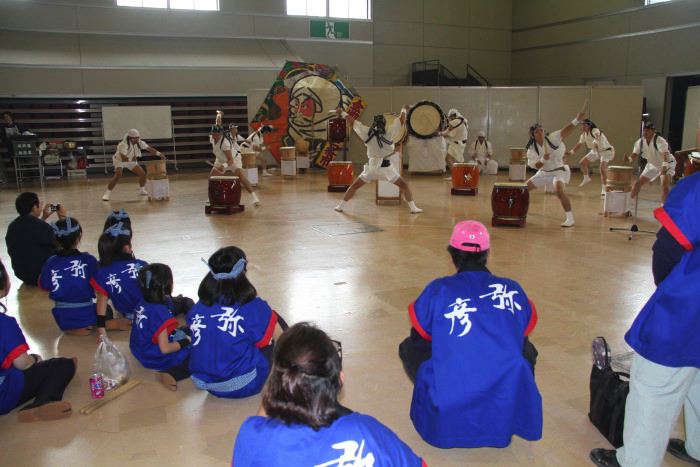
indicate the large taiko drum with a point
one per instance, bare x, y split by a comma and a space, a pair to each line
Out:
509, 203
288, 153
426, 119
619, 178
692, 164
337, 130
340, 176
224, 191
400, 138
518, 156
465, 179
248, 158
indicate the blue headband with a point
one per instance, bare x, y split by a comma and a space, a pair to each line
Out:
70, 228
117, 230
236, 270
118, 215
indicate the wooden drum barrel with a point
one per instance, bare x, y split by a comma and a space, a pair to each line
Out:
510, 203
518, 156
340, 176
224, 191
465, 179
692, 164
248, 158
288, 153
619, 178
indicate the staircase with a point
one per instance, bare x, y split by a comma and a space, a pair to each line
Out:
433, 73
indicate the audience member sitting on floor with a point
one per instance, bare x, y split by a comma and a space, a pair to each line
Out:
469, 354
25, 377
302, 423
30, 240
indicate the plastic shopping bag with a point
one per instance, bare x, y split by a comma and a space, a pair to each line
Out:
111, 364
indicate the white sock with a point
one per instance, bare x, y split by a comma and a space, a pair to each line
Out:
414, 208
340, 206
569, 216
255, 197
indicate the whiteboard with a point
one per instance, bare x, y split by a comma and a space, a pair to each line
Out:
152, 121
692, 118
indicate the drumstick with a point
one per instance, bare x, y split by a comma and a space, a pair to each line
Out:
110, 396
585, 105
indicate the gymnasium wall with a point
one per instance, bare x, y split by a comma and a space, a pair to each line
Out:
609, 41
456, 32
506, 113
91, 47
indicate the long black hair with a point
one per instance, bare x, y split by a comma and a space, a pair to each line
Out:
112, 243
304, 382
4, 284
156, 283
67, 232
226, 291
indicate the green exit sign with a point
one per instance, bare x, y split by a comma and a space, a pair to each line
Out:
330, 29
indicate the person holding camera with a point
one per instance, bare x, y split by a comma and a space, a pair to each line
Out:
29, 239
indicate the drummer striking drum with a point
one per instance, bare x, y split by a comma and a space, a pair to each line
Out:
379, 142
223, 149
457, 133
598, 148
545, 152
660, 162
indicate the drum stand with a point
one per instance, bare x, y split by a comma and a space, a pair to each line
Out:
633, 229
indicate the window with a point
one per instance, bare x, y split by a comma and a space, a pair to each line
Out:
210, 5
352, 9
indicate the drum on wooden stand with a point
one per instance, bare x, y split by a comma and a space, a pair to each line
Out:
465, 179
302, 149
509, 203
224, 195
517, 170
426, 120
337, 130
340, 176
248, 158
619, 178
692, 164
288, 161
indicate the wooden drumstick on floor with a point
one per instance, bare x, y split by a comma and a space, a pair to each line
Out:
110, 396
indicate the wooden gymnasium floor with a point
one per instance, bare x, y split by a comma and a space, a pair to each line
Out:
585, 281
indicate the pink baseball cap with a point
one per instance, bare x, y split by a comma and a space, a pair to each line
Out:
470, 236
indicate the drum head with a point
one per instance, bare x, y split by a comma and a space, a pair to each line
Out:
425, 119
620, 168
223, 177
694, 157
401, 136
510, 185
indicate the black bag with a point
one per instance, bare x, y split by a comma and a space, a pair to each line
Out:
608, 397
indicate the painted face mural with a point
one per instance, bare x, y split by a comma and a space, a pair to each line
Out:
299, 106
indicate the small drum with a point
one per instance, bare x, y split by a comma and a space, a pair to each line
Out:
224, 191
337, 130
518, 156
248, 158
619, 178
340, 176
288, 153
510, 202
426, 119
692, 164
156, 170
403, 134
465, 179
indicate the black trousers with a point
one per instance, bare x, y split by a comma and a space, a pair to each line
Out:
414, 350
46, 381
181, 371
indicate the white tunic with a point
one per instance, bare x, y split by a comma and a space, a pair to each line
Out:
595, 136
219, 149
130, 151
556, 156
652, 155
374, 150
481, 150
458, 130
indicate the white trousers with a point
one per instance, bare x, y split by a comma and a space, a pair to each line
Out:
657, 394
